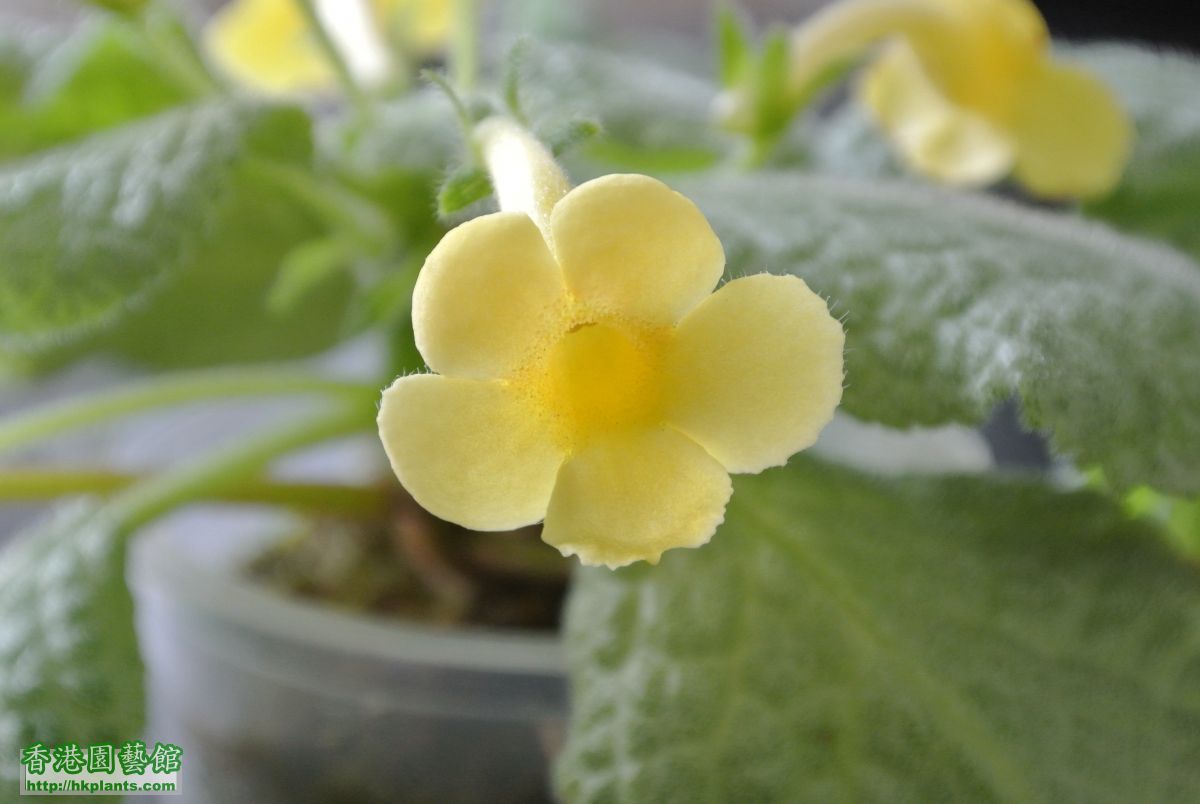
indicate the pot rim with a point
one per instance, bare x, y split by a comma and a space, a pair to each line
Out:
158, 570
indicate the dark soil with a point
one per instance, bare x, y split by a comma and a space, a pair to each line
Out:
416, 567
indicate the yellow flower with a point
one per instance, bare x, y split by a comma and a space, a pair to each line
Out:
267, 44
589, 375
969, 92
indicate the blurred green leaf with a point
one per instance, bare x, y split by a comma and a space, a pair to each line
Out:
120, 6
846, 638
217, 309
651, 116
70, 670
733, 45
1160, 192
767, 86
467, 185
100, 76
952, 302
90, 230
571, 134
19, 49
1178, 519
399, 157
307, 267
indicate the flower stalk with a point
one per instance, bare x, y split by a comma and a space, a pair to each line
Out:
27, 485
525, 176
228, 469
53, 420
465, 45
333, 55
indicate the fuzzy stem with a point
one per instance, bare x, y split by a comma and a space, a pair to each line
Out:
524, 175
334, 56
53, 420
465, 45
47, 484
229, 468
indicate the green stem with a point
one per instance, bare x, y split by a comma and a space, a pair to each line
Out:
343, 500
27, 428
334, 56
227, 469
447, 87
465, 47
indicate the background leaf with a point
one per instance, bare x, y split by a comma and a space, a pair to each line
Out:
465, 186
1160, 192
733, 44
861, 639
18, 56
215, 310
70, 670
652, 117
101, 76
399, 159
89, 230
952, 302
841, 140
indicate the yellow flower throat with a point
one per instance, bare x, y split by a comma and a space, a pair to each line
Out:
599, 377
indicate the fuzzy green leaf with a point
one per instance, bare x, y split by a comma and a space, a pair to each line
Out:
18, 59
734, 56
90, 230
840, 141
466, 186
399, 157
306, 268
217, 310
846, 638
98, 77
651, 117
570, 135
1160, 192
70, 670
954, 302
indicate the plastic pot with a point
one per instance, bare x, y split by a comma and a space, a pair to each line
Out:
281, 700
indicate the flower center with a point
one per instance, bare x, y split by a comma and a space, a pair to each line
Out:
600, 378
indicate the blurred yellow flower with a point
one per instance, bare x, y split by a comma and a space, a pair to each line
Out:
589, 375
969, 92
267, 44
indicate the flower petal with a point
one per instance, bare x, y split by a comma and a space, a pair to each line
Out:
265, 44
1073, 136
630, 497
946, 142
755, 371
424, 24
469, 451
630, 245
488, 295
838, 31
